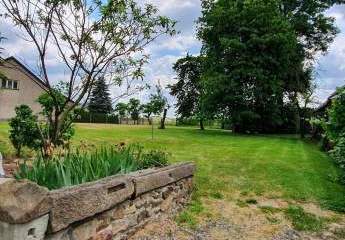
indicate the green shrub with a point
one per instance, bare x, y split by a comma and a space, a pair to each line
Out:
78, 167
338, 155
335, 127
49, 107
24, 130
154, 158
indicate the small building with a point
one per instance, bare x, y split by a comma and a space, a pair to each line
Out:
19, 86
322, 109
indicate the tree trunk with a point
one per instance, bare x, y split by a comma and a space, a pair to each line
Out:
302, 128
202, 124
222, 125
19, 151
162, 126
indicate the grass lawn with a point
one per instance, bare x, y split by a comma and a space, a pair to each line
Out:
273, 166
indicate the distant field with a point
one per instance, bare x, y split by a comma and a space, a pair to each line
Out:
275, 166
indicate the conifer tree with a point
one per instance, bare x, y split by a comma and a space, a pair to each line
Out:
100, 101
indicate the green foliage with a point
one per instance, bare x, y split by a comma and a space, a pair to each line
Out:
121, 109
335, 126
88, 117
238, 80
251, 201
231, 163
111, 43
188, 89
257, 53
315, 29
100, 101
52, 102
338, 155
188, 216
154, 158
156, 104
24, 130
303, 221
134, 108
78, 167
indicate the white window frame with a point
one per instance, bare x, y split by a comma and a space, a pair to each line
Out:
10, 84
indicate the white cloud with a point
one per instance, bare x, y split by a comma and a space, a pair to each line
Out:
165, 51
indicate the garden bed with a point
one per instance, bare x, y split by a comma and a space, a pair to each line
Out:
110, 208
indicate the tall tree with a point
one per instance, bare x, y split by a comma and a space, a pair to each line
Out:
121, 109
260, 52
189, 88
100, 101
156, 104
134, 109
248, 46
314, 29
92, 38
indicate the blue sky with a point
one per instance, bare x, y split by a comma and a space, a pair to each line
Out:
330, 69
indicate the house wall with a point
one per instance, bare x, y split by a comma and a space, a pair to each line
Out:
28, 92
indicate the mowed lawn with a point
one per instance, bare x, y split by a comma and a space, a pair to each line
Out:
272, 166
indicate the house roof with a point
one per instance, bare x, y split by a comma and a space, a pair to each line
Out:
327, 103
34, 77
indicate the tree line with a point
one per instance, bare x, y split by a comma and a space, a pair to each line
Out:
100, 102
255, 67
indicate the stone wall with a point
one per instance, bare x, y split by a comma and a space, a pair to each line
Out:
111, 208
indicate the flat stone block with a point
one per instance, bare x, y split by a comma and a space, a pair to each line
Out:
151, 180
34, 230
76, 203
22, 201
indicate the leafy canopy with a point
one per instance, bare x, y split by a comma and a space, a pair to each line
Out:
134, 108
121, 109
249, 46
189, 88
156, 103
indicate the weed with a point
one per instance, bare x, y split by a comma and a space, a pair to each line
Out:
269, 210
217, 195
251, 201
186, 218
241, 203
304, 221
273, 220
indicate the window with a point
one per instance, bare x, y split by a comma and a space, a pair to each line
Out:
9, 84
15, 85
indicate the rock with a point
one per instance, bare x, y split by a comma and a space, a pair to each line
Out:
62, 235
22, 201
2, 172
82, 201
288, 234
151, 180
34, 230
105, 234
85, 230
167, 204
